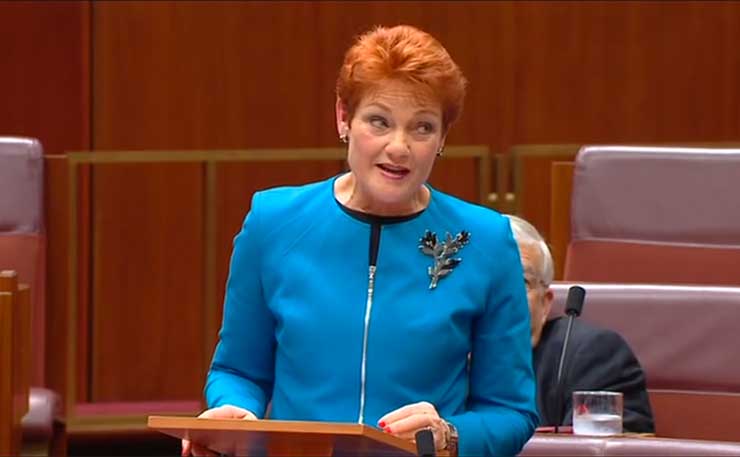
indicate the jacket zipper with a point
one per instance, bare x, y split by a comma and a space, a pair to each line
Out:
373, 260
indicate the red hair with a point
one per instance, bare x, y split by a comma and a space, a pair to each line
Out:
406, 54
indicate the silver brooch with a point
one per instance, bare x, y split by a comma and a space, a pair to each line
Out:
442, 253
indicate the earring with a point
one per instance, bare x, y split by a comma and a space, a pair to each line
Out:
439, 151
344, 138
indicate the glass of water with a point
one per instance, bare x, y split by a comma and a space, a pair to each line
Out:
597, 413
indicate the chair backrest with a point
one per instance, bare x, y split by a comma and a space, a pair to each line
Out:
655, 215
15, 357
685, 338
22, 232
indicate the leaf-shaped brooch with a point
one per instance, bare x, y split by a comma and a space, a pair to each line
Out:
442, 253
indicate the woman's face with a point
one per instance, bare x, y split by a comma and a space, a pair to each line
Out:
393, 142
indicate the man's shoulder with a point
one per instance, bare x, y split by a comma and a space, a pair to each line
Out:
582, 333
594, 334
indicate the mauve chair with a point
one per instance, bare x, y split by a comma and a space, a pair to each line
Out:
667, 215
23, 249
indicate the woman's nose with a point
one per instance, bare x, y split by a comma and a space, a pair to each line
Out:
399, 145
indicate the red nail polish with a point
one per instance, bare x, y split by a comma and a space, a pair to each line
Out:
387, 429
381, 424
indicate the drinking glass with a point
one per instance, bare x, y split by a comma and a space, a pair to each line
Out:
597, 413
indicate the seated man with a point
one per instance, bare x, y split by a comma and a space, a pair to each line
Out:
597, 359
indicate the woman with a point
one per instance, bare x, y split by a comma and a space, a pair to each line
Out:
359, 298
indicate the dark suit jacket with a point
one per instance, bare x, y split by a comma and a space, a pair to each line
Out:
597, 359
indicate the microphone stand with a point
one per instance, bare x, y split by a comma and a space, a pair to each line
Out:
573, 306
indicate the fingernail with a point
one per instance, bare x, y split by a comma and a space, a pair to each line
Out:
381, 424
387, 429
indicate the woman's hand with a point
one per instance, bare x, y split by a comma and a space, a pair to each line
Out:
221, 412
407, 420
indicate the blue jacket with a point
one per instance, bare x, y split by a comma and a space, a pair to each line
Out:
300, 332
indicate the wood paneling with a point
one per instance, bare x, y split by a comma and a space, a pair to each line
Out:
57, 228
560, 196
626, 71
209, 75
261, 74
457, 176
532, 180
45, 77
57, 217
147, 284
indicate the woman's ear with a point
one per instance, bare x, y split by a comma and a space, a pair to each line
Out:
342, 118
441, 145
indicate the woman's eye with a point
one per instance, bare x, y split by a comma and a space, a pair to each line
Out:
379, 122
425, 128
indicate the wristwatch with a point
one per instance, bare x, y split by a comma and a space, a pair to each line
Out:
452, 439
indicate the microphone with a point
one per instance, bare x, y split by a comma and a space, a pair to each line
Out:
425, 443
574, 302
573, 307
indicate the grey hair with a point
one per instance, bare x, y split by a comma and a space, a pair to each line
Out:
525, 233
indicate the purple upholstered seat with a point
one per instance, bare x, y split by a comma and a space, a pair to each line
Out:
655, 215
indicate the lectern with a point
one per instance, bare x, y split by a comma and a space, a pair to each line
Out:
284, 438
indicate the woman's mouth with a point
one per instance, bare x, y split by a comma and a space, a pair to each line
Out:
393, 171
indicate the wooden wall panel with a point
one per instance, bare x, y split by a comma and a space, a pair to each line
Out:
625, 72
57, 228
562, 188
45, 77
57, 214
532, 178
147, 285
208, 75
534, 193
261, 74
458, 176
